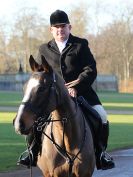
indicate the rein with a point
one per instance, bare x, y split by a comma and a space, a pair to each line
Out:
41, 123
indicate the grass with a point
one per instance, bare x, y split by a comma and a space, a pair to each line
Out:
116, 101
12, 145
110, 100
10, 98
121, 131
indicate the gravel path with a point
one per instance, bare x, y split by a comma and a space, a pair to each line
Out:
22, 173
123, 160
124, 165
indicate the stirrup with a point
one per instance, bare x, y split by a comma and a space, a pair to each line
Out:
106, 161
106, 156
25, 154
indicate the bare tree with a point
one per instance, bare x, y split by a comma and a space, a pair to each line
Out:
4, 57
79, 19
113, 45
27, 36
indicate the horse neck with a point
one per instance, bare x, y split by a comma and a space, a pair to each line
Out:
73, 132
68, 109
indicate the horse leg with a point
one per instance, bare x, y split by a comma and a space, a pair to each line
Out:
42, 164
45, 174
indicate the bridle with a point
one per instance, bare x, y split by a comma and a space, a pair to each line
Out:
40, 114
62, 150
42, 121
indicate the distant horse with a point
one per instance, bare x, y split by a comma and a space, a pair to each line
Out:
67, 144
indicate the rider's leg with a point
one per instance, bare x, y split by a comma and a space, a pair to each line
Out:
34, 143
104, 160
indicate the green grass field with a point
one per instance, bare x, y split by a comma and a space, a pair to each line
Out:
10, 98
116, 101
121, 131
11, 144
110, 100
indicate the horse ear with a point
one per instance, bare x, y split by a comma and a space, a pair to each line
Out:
45, 65
33, 64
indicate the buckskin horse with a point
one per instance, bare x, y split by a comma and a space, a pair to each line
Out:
67, 143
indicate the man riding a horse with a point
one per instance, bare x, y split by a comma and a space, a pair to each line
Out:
72, 59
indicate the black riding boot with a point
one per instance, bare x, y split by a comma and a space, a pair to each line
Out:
100, 133
103, 160
29, 157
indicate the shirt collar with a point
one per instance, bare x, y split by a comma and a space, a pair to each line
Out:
61, 45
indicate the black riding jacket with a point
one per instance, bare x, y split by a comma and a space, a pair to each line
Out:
75, 61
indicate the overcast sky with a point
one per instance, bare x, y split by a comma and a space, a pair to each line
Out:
8, 8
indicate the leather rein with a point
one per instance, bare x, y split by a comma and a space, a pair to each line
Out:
41, 123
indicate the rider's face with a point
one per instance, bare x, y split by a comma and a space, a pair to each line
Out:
61, 32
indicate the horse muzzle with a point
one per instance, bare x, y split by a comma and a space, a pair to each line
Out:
20, 127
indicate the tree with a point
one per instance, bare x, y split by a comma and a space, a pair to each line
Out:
27, 36
79, 19
4, 57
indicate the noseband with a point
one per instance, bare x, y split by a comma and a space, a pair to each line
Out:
42, 116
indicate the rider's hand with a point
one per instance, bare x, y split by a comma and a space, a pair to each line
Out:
70, 86
72, 92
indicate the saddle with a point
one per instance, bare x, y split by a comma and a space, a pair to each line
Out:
93, 119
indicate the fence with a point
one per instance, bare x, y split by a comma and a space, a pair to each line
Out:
106, 83
15, 82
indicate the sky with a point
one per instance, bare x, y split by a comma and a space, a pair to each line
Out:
9, 8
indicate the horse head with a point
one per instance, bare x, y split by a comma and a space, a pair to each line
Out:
40, 96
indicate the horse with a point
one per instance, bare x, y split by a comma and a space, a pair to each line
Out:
67, 144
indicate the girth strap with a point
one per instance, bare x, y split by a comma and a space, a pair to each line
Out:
93, 118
